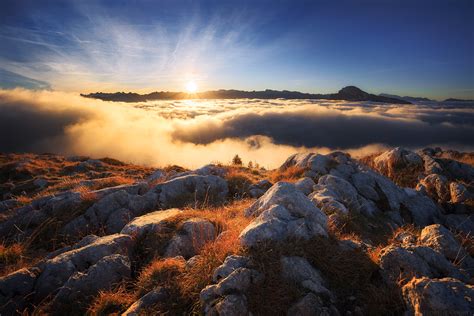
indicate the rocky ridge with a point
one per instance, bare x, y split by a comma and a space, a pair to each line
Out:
179, 241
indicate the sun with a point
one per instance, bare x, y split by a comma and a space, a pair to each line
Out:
191, 87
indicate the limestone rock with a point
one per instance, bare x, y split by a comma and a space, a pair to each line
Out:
56, 271
146, 301
195, 233
106, 273
151, 222
446, 296
442, 240
192, 189
305, 185
300, 271
283, 212
405, 262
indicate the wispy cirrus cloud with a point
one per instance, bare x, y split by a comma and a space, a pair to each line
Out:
100, 51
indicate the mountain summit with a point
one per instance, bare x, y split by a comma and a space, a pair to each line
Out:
352, 93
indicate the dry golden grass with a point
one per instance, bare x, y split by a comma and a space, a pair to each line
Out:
467, 158
290, 174
404, 176
348, 273
113, 302
185, 285
239, 182
160, 272
405, 230
16, 256
359, 227
20, 170
11, 255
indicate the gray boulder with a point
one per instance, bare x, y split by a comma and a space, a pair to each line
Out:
103, 275
391, 161
446, 296
258, 189
56, 271
155, 176
436, 186
15, 288
460, 222
305, 185
459, 193
151, 222
112, 212
232, 305
420, 210
192, 189
400, 263
230, 264
146, 301
311, 305
301, 272
442, 240
194, 234
283, 212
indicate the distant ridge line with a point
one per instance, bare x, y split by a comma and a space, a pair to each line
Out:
349, 93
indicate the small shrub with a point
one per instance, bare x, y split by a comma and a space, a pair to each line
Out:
237, 161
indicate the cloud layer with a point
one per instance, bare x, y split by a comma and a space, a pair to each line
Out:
192, 133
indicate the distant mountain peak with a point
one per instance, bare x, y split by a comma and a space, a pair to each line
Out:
353, 91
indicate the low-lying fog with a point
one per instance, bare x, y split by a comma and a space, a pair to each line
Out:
195, 132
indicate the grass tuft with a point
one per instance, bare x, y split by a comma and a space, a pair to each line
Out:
112, 302
290, 174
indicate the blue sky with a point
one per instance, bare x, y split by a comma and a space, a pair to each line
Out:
420, 48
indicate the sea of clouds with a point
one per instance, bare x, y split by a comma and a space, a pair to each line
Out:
195, 132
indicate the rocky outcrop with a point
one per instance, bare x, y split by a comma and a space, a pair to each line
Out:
300, 271
146, 301
228, 296
151, 222
258, 189
446, 296
283, 212
392, 161
101, 276
288, 225
15, 288
345, 186
192, 190
77, 273
112, 212
442, 240
56, 272
432, 172
403, 263
193, 235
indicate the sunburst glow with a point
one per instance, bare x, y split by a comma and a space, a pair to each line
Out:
191, 87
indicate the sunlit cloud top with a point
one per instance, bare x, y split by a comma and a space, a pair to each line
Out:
423, 48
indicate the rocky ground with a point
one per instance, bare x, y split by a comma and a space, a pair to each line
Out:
389, 233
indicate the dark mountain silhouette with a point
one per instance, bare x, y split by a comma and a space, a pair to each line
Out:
457, 100
405, 98
349, 93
